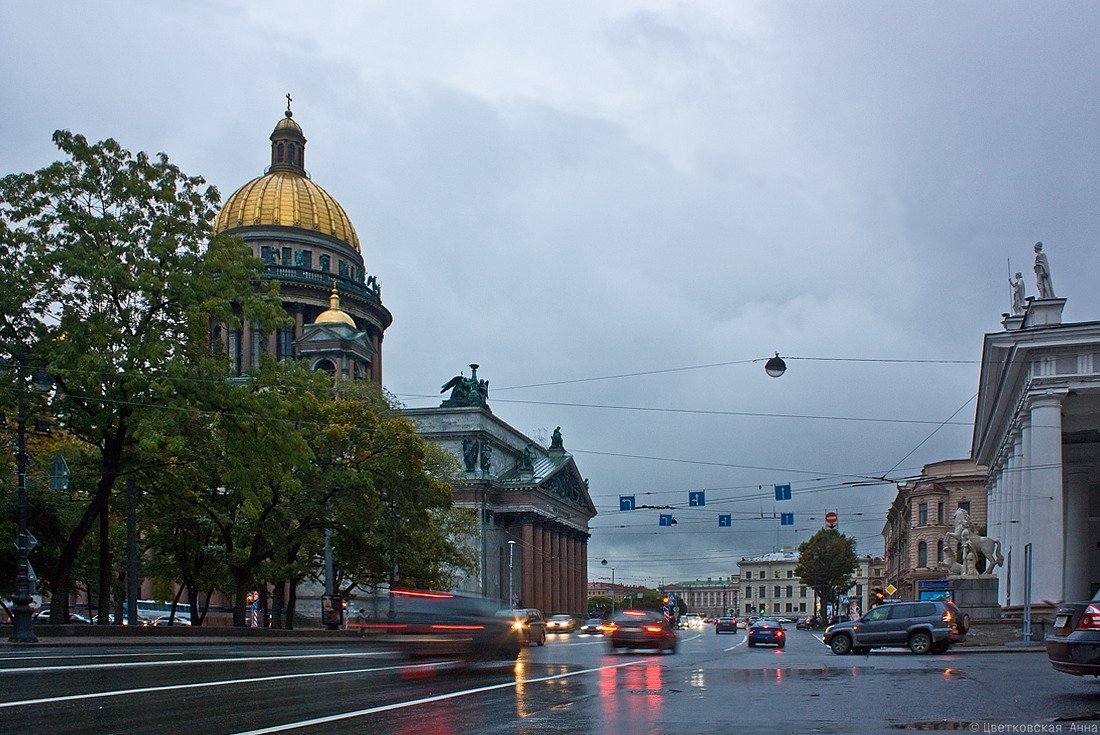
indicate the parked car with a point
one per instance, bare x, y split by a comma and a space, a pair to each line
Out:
528, 623
725, 624
593, 626
768, 632
561, 623
428, 623
804, 624
925, 626
1074, 645
641, 629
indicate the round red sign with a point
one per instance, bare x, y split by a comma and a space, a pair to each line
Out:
831, 518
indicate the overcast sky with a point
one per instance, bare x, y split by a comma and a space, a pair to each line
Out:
621, 209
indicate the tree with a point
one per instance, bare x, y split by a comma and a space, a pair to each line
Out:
113, 285
826, 562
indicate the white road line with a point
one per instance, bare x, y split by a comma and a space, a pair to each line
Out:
737, 645
235, 659
426, 700
36, 657
200, 685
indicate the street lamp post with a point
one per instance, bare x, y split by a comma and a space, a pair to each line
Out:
22, 624
511, 550
604, 562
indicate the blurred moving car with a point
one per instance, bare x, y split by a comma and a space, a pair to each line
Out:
561, 623
593, 626
803, 624
725, 624
528, 623
1073, 646
691, 621
641, 629
425, 623
925, 626
769, 632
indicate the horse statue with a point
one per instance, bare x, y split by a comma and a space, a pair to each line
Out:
973, 545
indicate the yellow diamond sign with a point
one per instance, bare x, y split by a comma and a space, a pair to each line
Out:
891, 589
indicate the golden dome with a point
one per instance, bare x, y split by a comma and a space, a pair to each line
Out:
334, 315
288, 199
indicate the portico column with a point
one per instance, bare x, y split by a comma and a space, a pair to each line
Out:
567, 573
555, 574
527, 565
1076, 580
1045, 497
547, 571
538, 570
1017, 527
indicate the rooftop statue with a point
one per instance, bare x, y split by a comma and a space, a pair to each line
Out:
1018, 298
1042, 274
466, 392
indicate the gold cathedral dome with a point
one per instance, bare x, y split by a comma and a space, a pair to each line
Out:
285, 196
334, 314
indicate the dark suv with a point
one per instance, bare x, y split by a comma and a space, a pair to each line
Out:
927, 626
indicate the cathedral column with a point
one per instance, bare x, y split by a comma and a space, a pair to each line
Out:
527, 564
555, 571
568, 601
1045, 498
545, 594
582, 542
538, 570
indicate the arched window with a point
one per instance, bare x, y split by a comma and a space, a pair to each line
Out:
939, 551
290, 153
922, 554
279, 154
325, 365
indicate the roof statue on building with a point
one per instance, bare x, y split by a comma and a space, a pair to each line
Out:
1042, 274
467, 392
965, 536
1018, 298
556, 440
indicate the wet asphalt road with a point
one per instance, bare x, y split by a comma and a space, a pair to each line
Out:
573, 685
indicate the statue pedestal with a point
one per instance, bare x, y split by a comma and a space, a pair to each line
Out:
977, 597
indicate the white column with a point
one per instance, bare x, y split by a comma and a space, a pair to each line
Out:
1076, 578
1044, 498
1019, 529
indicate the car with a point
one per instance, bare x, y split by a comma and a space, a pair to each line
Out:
804, 624
924, 626
725, 625
427, 623
593, 626
561, 623
528, 623
691, 621
641, 629
1073, 646
770, 632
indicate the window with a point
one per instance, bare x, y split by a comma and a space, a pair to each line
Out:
802, 591
939, 551
287, 255
235, 350
922, 554
790, 574
939, 513
290, 153
778, 591
267, 254
790, 590
802, 607
763, 591
748, 575
790, 607
279, 158
259, 345
965, 505
326, 263
284, 344
923, 514
748, 592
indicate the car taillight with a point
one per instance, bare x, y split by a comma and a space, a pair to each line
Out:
653, 629
947, 616
779, 633
609, 628
518, 625
1090, 619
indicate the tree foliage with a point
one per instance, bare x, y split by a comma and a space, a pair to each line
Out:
825, 563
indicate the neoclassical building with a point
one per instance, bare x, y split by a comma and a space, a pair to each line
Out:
532, 504
310, 247
1037, 428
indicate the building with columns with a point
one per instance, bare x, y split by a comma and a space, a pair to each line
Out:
532, 503
1037, 428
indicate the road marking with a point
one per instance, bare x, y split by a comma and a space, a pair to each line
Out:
426, 700
226, 682
34, 657
135, 664
737, 645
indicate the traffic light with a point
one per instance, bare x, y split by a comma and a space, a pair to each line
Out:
877, 596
